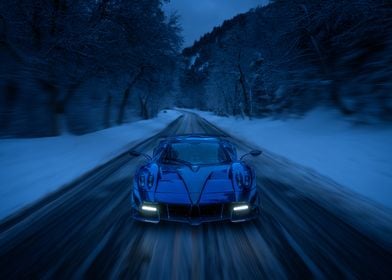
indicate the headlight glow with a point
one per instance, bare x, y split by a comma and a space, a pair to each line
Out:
149, 208
240, 208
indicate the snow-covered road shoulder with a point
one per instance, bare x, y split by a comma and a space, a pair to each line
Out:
32, 168
355, 156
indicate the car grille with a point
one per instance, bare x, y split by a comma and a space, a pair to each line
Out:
178, 210
170, 211
211, 210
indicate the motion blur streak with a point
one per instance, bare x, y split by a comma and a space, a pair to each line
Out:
308, 229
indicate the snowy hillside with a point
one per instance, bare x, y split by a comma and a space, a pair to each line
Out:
32, 168
357, 157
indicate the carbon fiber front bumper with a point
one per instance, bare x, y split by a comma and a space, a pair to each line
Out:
195, 214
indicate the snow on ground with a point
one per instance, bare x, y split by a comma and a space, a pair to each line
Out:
32, 168
357, 157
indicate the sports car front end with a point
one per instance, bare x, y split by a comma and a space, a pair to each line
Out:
195, 179
213, 193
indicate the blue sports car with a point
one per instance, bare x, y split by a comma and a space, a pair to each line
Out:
195, 179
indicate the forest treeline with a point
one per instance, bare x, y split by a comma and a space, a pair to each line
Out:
83, 64
292, 55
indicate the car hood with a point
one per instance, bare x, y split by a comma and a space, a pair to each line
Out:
196, 184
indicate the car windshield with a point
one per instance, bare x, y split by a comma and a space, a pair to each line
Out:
195, 153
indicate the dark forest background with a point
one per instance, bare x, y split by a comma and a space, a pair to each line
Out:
85, 65
293, 55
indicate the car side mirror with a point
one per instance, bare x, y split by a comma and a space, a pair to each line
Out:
134, 153
253, 153
138, 154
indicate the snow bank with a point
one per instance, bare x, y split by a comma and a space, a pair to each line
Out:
32, 168
357, 157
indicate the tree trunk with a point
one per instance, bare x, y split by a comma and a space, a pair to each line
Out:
143, 108
125, 97
108, 105
226, 101
69, 94
10, 100
54, 121
337, 100
53, 92
60, 105
244, 91
124, 102
237, 101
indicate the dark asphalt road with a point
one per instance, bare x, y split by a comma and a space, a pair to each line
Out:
309, 229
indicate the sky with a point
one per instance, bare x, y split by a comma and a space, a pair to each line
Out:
198, 17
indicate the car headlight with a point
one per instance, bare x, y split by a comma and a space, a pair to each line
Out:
150, 180
146, 180
243, 207
142, 180
243, 180
149, 208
